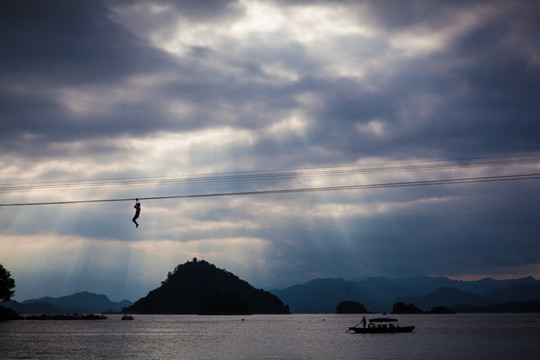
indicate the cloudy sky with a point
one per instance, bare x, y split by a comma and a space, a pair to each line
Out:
111, 100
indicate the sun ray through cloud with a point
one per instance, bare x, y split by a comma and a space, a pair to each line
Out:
283, 140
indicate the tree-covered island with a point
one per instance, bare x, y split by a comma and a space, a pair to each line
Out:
198, 287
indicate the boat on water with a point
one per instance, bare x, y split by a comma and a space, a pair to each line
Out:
127, 317
382, 326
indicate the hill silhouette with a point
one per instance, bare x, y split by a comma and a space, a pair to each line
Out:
350, 307
446, 296
82, 302
198, 287
516, 293
8, 314
322, 295
378, 294
483, 287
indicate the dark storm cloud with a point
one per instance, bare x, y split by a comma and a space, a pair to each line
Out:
54, 44
33, 125
146, 88
68, 42
501, 78
483, 86
49, 45
203, 10
397, 15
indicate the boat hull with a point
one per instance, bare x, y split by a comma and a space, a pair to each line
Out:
376, 330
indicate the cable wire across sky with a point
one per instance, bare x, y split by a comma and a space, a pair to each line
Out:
277, 174
533, 176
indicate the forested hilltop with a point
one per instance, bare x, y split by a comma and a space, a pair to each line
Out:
198, 287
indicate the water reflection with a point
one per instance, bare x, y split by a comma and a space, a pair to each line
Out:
459, 336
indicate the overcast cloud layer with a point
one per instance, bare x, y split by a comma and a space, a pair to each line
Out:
151, 89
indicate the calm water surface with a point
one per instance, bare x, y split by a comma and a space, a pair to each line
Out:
462, 336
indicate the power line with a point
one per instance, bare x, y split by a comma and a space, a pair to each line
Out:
515, 177
277, 174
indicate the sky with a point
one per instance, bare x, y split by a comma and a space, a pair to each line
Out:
117, 100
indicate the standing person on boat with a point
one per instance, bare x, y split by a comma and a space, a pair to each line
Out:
137, 212
364, 321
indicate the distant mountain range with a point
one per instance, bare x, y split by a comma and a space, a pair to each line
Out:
80, 303
200, 287
379, 294
196, 287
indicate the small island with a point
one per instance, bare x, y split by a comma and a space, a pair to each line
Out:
350, 307
198, 287
402, 308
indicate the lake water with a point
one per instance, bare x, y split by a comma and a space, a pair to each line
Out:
461, 336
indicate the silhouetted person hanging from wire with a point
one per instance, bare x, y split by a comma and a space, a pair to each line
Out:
137, 212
